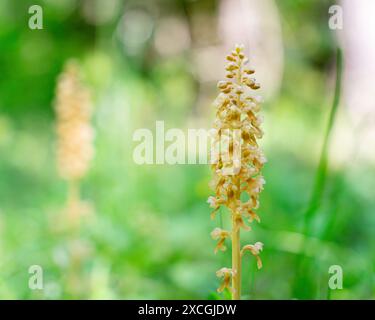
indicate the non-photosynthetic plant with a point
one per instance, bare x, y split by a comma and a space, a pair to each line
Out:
75, 135
237, 167
74, 153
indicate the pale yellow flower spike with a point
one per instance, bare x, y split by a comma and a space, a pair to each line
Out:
74, 134
237, 110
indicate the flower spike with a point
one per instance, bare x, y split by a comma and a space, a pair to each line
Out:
237, 162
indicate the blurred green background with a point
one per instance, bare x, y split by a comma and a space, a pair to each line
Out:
149, 234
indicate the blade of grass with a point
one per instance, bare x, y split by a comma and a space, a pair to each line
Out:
320, 175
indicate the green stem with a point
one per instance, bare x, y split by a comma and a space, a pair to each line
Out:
73, 201
321, 173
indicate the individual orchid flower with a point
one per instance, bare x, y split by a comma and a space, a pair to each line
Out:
255, 249
226, 274
220, 235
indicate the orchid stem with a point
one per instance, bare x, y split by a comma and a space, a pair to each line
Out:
236, 261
